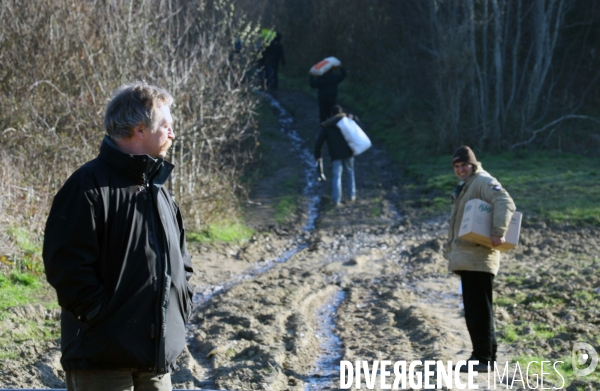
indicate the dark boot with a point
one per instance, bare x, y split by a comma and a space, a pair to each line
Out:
482, 366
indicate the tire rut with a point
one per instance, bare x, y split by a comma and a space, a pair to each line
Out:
263, 332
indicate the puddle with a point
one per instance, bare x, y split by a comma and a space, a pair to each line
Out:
285, 121
327, 371
202, 297
332, 345
308, 161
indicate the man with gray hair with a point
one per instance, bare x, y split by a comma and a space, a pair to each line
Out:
115, 251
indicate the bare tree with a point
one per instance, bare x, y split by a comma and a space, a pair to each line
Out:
485, 72
510, 80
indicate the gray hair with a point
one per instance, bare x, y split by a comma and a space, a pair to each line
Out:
133, 104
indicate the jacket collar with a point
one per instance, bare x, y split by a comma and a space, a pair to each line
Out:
140, 168
333, 120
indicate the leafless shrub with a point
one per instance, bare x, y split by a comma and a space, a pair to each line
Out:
60, 61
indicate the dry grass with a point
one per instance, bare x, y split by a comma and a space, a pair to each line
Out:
60, 61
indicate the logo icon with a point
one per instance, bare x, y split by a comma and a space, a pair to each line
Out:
584, 358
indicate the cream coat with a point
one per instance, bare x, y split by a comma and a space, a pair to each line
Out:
465, 255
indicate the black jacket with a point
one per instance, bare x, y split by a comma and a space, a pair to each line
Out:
114, 250
336, 143
327, 83
274, 54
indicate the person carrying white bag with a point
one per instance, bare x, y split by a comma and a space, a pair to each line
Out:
340, 152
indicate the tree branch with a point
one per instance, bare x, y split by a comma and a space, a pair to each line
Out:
535, 133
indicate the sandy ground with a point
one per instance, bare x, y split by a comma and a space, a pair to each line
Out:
362, 282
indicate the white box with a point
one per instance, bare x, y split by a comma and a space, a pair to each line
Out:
476, 226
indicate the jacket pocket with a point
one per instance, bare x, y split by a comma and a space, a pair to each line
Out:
189, 303
185, 295
100, 316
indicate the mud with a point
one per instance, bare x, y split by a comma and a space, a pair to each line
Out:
358, 282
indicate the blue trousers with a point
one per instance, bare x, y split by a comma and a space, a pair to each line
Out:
339, 166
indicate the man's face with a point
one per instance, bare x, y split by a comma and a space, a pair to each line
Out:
463, 170
157, 143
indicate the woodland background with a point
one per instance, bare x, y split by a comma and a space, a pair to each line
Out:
500, 75
494, 74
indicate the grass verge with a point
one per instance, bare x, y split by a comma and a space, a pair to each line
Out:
546, 185
557, 188
221, 232
545, 309
18, 289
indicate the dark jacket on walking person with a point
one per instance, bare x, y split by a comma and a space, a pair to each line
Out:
115, 248
273, 56
477, 265
337, 146
327, 85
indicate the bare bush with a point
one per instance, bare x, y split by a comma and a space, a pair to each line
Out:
60, 61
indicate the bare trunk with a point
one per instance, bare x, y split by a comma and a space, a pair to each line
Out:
497, 120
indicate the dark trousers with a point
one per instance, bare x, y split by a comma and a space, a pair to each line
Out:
325, 106
271, 76
109, 380
479, 313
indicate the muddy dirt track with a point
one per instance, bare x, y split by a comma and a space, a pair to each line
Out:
365, 281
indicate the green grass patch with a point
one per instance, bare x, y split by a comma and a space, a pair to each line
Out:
18, 288
558, 371
376, 207
288, 81
532, 366
222, 232
586, 298
514, 280
265, 115
555, 187
509, 334
24, 241
504, 301
284, 208
551, 187
16, 330
539, 301
542, 331
291, 183
28, 259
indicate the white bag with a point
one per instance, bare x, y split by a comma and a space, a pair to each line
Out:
322, 67
356, 138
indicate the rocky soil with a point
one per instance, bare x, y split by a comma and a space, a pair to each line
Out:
365, 281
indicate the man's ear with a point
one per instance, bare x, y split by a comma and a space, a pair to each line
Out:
138, 131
